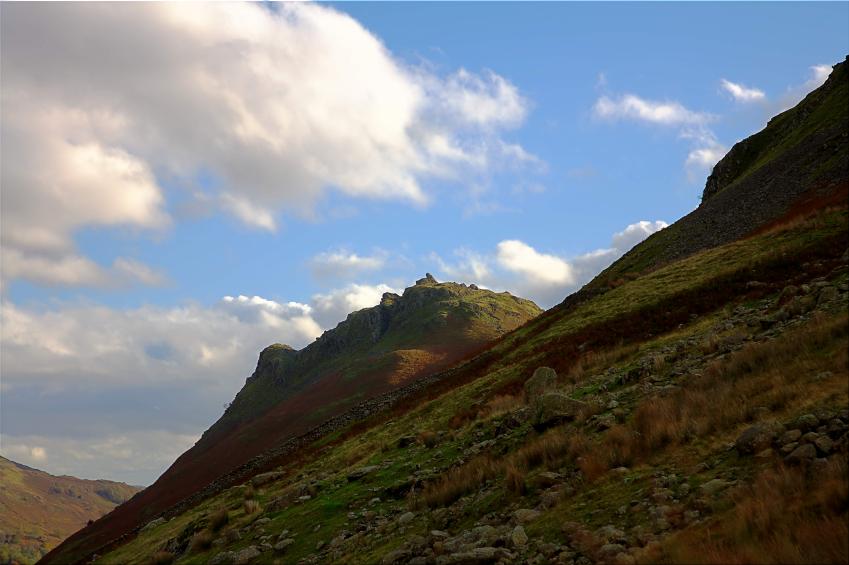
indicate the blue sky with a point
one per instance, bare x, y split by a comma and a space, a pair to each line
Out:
519, 146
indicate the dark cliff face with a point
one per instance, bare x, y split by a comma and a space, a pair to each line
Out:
798, 162
815, 128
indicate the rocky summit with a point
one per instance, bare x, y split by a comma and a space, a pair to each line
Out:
689, 405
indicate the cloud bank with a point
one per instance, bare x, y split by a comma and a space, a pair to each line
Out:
276, 105
546, 278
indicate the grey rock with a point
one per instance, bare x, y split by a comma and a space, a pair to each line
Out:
405, 518
245, 555
790, 436
824, 445
543, 380
265, 478
281, 545
358, 474
153, 524
806, 422
551, 407
397, 556
756, 438
518, 537
802, 454
525, 515
714, 486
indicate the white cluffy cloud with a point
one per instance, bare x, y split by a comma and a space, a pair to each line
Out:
742, 93
632, 107
545, 278
275, 104
691, 124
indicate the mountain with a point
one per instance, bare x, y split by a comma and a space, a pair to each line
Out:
429, 327
39, 510
689, 405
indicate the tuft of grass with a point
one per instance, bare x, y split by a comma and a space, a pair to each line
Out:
219, 519
515, 479
250, 506
249, 493
162, 558
460, 481
550, 449
428, 438
201, 541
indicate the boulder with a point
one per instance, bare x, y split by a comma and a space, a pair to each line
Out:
358, 474
518, 537
802, 454
552, 407
714, 486
543, 379
756, 438
283, 544
265, 478
824, 445
525, 515
806, 422
246, 555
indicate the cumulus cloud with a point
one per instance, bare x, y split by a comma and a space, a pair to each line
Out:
333, 307
344, 264
742, 93
75, 270
632, 107
519, 257
692, 125
546, 278
276, 105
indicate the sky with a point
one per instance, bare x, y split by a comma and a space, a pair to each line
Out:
184, 184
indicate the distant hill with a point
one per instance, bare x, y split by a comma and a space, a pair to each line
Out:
39, 510
426, 329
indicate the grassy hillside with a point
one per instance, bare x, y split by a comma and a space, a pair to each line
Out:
39, 510
374, 351
691, 404
670, 370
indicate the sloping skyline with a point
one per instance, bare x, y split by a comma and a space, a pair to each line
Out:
184, 184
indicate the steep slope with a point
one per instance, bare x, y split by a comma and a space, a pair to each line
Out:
375, 350
696, 410
39, 510
798, 161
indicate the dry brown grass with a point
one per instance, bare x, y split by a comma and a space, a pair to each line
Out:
428, 438
161, 558
598, 360
249, 493
250, 506
459, 481
550, 449
503, 404
201, 541
514, 478
219, 519
773, 374
784, 516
